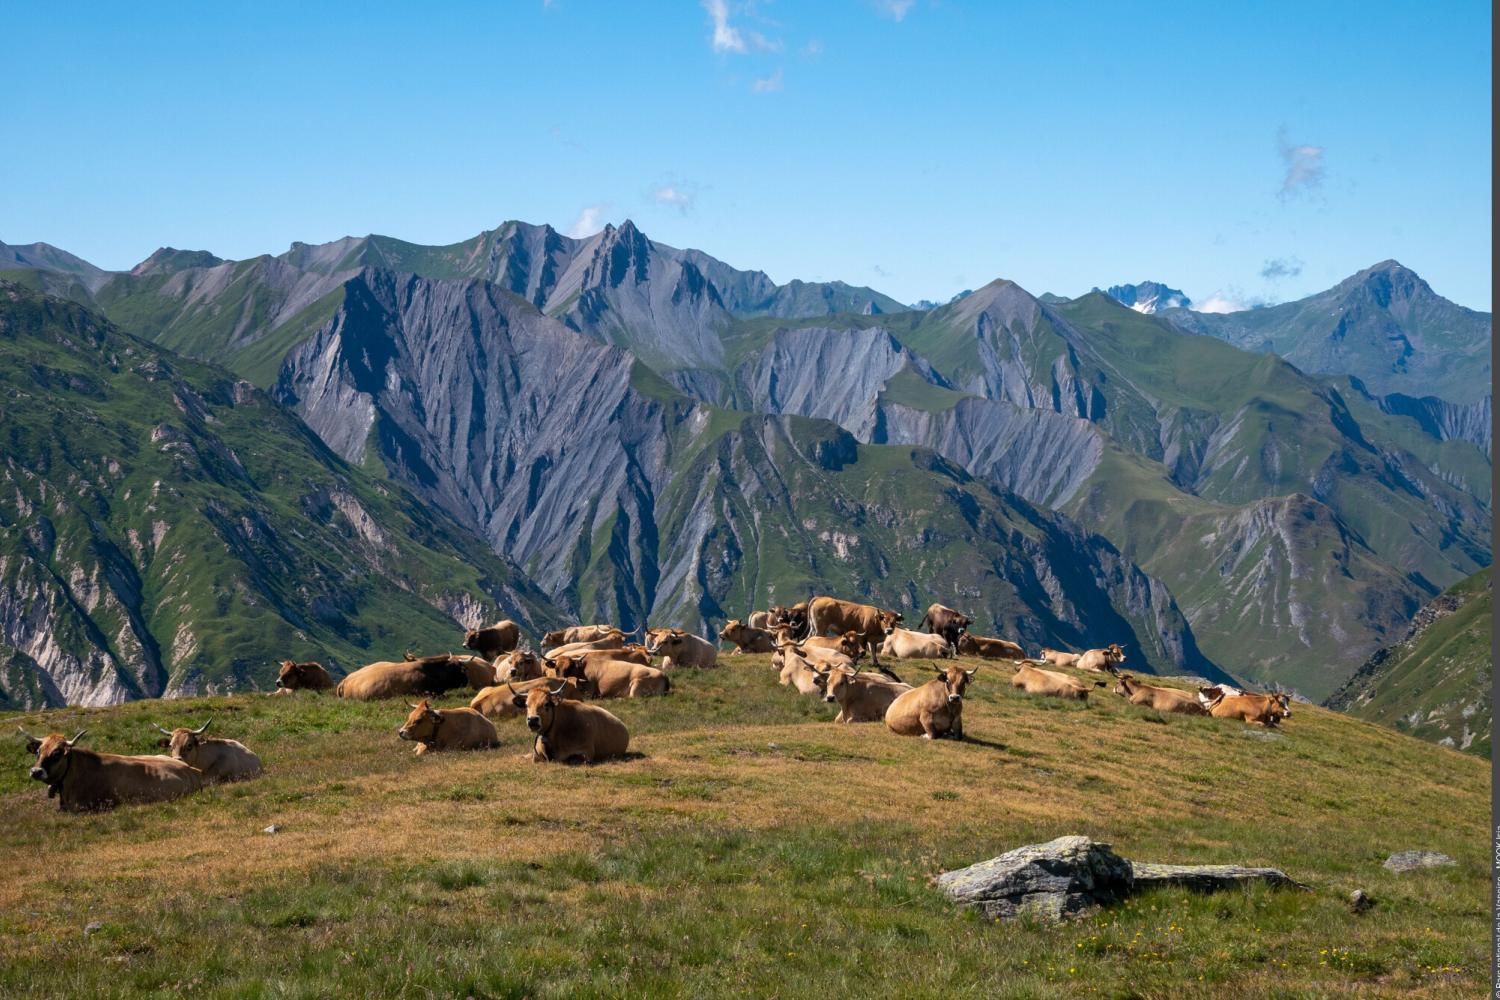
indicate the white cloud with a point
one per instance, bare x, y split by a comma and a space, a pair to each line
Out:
1281, 267
589, 221
1304, 166
675, 196
1219, 302
768, 84
813, 49
726, 37
893, 9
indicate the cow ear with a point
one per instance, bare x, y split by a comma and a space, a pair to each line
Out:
519, 701
33, 745
163, 742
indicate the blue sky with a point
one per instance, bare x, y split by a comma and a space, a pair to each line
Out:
1241, 153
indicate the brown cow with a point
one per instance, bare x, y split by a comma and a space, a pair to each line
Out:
861, 697
1060, 658
1049, 682
795, 616
84, 780
498, 702
1160, 698
1207, 696
492, 640
987, 648
1265, 710
823, 656
760, 620
905, 644
614, 640
1106, 660
946, 622
434, 729
218, 759
309, 676
747, 638
570, 731
800, 672
679, 648
612, 678
519, 665
577, 633
935, 709
869, 623
426, 676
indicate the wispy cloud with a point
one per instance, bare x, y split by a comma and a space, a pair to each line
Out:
1281, 267
768, 84
1304, 165
589, 221
813, 49
675, 195
882, 272
727, 37
893, 9
1231, 299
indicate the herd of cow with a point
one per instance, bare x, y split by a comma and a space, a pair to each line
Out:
816, 647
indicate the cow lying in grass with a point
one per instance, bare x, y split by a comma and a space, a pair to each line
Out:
570, 732
577, 633
988, 648
1106, 660
904, 644
935, 709
1034, 680
309, 676
435, 729
493, 640
747, 638
424, 677
611, 678
680, 648
861, 697
1265, 710
1160, 698
498, 702
219, 759
85, 780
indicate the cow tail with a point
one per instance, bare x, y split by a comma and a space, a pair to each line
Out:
667, 687
926, 623
338, 692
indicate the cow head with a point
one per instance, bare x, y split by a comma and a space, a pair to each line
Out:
182, 741
540, 704
955, 681
1125, 685
835, 682
1208, 697
1281, 705
422, 724
669, 642
293, 675
1113, 656
735, 631
52, 753
521, 665
553, 638
889, 621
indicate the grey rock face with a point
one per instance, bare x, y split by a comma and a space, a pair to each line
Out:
1148, 296
1071, 876
1410, 861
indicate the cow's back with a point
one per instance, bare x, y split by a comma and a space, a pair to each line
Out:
118, 779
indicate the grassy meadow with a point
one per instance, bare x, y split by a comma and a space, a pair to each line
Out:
747, 847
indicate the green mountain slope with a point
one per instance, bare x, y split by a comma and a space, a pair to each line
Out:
1435, 682
1384, 325
168, 529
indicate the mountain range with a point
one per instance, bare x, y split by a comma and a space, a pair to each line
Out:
640, 432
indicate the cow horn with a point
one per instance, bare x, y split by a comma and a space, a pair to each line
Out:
412, 707
510, 686
200, 729
26, 734
159, 729
81, 734
557, 690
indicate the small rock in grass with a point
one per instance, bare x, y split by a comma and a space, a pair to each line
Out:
1360, 901
273, 828
92, 927
1410, 861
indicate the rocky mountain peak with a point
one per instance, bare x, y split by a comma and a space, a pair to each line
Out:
169, 260
1148, 296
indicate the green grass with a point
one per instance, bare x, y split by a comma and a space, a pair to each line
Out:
749, 847
1437, 685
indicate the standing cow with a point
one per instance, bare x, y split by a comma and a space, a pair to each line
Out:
869, 623
946, 622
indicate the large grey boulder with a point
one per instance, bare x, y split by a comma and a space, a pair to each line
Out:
1062, 878
1071, 876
